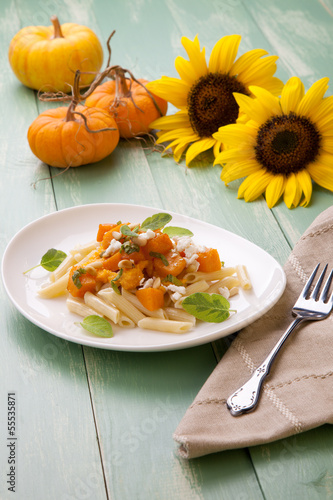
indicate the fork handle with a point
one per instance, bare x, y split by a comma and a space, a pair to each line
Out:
246, 397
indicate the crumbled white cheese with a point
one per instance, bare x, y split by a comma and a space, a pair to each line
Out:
142, 238
176, 288
112, 248
148, 283
116, 235
185, 244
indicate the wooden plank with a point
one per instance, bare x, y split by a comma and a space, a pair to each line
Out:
47, 374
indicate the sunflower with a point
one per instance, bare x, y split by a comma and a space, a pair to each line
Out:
286, 144
204, 93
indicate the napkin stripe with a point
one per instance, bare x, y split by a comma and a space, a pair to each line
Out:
237, 343
298, 268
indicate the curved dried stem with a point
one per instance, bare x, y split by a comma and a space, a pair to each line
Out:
88, 128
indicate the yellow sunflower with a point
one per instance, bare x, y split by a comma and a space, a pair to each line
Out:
286, 144
204, 93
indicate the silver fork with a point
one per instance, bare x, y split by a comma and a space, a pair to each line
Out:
315, 307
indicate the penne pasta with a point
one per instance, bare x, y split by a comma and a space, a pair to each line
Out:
165, 325
228, 282
78, 306
126, 322
197, 286
63, 268
158, 313
179, 315
54, 289
216, 275
85, 249
243, 277
97, 303
121, 303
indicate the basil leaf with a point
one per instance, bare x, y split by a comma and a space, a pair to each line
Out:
114, 287
156, 221
160, 256
177, 231
97, 325
129, 247
76, 277
50, 260
212, 308
172, 279
118, 275
125, 230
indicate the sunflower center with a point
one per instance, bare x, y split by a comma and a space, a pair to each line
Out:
211, 103
287, 144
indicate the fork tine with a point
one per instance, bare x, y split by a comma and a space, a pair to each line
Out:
308, 284
324, 293
315, 293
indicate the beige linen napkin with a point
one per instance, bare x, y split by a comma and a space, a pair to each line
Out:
297, 395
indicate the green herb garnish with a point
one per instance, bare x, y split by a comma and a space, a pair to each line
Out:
156, 221
177, 231
212, 308
50, 260
160, 256
97, 325
172, 279
76, 277
129, 247
126, 231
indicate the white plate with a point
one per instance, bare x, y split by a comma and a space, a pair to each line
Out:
67, 228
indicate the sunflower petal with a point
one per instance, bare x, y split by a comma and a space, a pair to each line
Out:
236, 135
239, 170
198, 147
246, 60
170, 122
292, 94
313, 97
196, 56
267, 100
224, 53
254, 185
290, 190
170, 89
253, 108
258, 71
217, 148
305, 182
275, 190
322, 174
234, 155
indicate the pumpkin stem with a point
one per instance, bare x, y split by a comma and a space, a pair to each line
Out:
76, 97
122, 89
57, 28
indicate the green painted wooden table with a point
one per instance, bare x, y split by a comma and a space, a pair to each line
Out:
97, 424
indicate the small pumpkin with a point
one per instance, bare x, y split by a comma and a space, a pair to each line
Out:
46, 58
128, 100
72, 136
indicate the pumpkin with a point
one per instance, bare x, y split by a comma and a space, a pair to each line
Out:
74, 135
45, 58
128, 100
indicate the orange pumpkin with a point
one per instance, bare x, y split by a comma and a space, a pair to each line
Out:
131, 104
46, 58
59, 137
